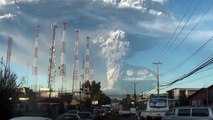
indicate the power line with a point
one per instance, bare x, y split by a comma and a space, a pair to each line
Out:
193, 54
182, 29
158, 76
198, 22
205, 64
149, 89
167, 43
190, 81
172, 44
195, 73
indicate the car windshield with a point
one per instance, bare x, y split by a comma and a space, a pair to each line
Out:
158, 103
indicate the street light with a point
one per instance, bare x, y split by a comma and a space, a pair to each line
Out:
156, 75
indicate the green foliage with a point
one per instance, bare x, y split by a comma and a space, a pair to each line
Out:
8, 90
96, 94
183, 101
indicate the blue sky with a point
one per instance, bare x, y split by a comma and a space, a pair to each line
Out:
141, 27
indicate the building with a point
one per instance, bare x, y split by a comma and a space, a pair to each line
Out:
45, 92
174, 94
203, 96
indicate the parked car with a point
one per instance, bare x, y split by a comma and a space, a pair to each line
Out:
73, 111
85, 115
189, 113
99, 114
30, 118
68, 116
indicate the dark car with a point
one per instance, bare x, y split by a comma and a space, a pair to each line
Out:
73, 111
68, 116
99, 114
85, 115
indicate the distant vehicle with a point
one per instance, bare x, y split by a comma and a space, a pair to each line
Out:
73, 111
108, 108
99, 114
85, 115
189, 113
68, 116
127, 109
153, 108
30, 118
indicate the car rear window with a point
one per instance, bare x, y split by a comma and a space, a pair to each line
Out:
200, 112
184, 112
170, 112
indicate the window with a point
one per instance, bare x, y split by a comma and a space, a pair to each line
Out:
170, 112
184, 112
194, 103
158, 103
200, 112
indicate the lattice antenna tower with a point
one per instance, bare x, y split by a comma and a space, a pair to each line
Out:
91, 71
87, 62
52, 63
63, 58
9, 47
35, 60
75, 84
83, 70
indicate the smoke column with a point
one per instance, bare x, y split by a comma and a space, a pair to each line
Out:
113, 48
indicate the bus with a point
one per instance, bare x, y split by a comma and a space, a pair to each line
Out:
153, 108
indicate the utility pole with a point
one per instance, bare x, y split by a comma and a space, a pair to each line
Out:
134, 91
80, 92
157, 76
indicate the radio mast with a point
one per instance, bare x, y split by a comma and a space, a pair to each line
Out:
35, 61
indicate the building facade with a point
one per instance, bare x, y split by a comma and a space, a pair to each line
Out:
203, 96
174, 94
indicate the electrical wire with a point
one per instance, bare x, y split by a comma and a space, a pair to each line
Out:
205, 64
167, 43
172, 44
198, 66
189, 81
193, 54
198, 22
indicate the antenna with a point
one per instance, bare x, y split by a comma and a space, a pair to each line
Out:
52, 64
75, 83
9, 53
63, 58
35, 61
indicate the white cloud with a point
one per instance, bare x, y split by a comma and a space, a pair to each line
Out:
142, 74
136, 4
8, 2
159, 1
154, 12
159, 26
6, 16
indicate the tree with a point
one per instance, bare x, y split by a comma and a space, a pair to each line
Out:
8, 91
96, 94
183, 101
104, 99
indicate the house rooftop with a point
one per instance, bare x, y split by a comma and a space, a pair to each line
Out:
184, 89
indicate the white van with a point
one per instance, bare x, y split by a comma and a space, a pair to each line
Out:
189, 113
153, 108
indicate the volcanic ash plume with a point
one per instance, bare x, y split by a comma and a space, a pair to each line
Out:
113, 49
